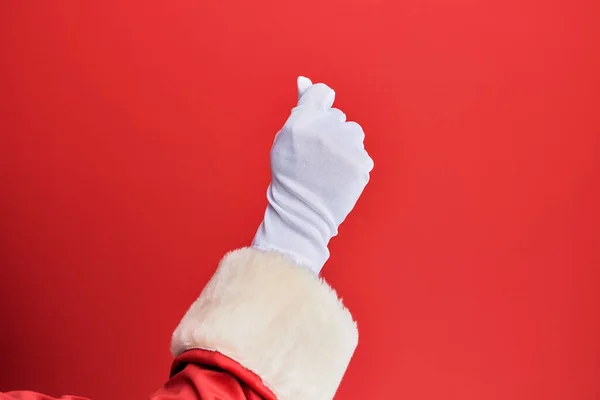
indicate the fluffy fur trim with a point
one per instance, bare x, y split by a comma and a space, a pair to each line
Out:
276, 319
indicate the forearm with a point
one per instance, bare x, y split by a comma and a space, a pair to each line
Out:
276, 319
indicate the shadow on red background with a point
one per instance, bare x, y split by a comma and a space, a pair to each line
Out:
134, 152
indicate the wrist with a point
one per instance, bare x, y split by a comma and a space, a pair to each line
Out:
298, 240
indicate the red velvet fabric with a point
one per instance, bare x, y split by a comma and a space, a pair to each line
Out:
195, 375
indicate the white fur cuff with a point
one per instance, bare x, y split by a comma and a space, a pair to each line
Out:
277, 320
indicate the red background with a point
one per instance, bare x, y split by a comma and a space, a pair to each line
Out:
134, 153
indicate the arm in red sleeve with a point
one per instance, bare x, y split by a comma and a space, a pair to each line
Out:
277, 320
262, 329
208, 375
195, 375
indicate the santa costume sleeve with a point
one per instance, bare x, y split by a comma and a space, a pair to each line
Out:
262, 328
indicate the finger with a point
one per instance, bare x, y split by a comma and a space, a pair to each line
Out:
354, 130
370, 163
303, 84
318, 95
338, 114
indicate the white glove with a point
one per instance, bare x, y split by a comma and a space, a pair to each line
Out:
319, 168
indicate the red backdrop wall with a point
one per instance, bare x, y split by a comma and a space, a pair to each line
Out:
134, 153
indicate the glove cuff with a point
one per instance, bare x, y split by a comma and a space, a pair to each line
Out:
299, 242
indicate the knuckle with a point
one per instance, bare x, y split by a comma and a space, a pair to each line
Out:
338, 114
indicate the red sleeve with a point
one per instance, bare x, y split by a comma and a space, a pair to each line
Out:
195, 375
278, 320
208, 375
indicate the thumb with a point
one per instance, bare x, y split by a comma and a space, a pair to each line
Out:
303, 84
318, 95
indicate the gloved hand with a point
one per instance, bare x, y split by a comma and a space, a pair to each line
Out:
319, 168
